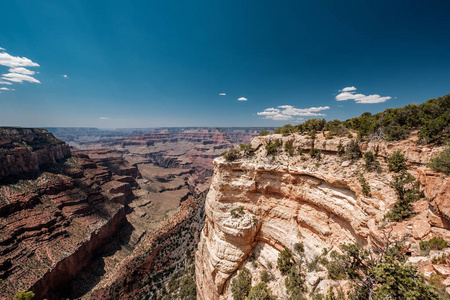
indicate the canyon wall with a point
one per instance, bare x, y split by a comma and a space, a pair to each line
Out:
261, 204
24, 150
153, 264
56, 210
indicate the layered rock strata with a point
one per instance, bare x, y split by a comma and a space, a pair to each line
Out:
259, 205
56, 210
25, 150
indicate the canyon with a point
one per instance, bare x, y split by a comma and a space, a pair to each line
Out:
75, 219
161, 214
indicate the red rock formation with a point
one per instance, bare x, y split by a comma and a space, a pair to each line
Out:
24, 150
52, 219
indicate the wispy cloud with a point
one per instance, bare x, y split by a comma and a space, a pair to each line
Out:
242, 99
104, 118
17, 71
348, 93
65, 76
222, 94
16, 77
289, 112
2, 49
21, 70
348, 89
4, 89
16, 61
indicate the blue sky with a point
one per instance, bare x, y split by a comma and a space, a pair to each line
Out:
165, 63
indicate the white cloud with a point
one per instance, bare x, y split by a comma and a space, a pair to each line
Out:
104, 118
242, 99
8, 60
17, 71
4, 89
2, 49
65, 76
21, 70
222, 94
16, 77
289, 112
349, 89
348, 93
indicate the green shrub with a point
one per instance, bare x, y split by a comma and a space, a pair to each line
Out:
295, 283
265, 276
397, 162
272, 147
299, 248
188, 290
23, 295
241, 285
260, 292
440, 259
315, 153
264, 133
371, 162
285, 260
353, 152
383, 275
441, 162
435, 243
247, 149
285, 130
407, 192
336, 266
231, 155
365, 187
289, 148
237, 212
314, 265
341, 149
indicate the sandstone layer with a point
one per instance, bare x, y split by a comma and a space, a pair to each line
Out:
56, 210
261, 204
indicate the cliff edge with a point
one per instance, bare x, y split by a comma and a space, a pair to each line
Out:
262, 203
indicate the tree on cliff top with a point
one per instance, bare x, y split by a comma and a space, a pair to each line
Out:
431, 119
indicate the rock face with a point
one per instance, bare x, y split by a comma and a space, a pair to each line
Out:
24, 150
56, 210
259, 205
168, 252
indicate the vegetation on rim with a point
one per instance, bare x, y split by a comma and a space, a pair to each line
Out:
431, 119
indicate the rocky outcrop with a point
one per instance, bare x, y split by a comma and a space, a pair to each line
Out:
25, 150
259, 205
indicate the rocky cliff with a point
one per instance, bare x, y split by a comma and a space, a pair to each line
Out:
261, 204
56, 210
168, 253
24, 150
